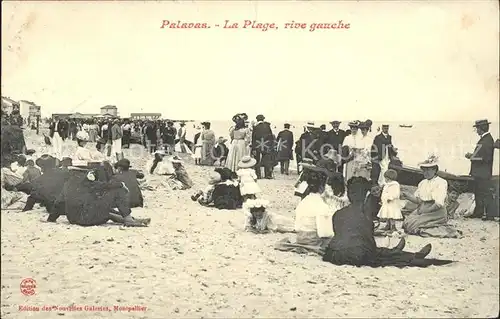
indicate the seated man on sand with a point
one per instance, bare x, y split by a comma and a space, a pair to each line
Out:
92, 198
354, 244
223, 191
160, 165
129, 178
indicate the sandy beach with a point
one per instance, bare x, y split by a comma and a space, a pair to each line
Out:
197, 262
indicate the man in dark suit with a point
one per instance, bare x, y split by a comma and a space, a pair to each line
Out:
262, 147
285, 149
58, 131
481, 170
336, 138
382, 150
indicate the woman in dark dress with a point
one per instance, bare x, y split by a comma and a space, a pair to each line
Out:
354, 243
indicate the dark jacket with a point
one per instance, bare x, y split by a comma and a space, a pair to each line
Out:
336, 139
379, 147
262, 138
129, 178
169, 134
62, 129
285, 145
482, 158
221, 150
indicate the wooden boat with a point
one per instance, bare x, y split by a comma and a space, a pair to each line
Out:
405, 125
463, 183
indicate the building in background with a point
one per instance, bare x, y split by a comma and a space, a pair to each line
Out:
145, 116
109, 109
29, 109
9, 105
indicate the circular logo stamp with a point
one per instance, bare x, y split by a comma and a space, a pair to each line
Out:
28, 286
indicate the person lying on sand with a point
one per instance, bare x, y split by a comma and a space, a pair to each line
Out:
354, 243
94, 199
223, 191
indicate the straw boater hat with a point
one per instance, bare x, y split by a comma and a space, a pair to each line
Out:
335, 122
431, 161
247, 162
311, 125
481, 122
214, 178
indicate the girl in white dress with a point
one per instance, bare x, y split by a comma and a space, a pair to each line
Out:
247, 178
391, 205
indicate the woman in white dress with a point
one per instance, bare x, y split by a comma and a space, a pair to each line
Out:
241, 137
83, 154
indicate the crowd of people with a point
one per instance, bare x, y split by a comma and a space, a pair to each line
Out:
345, 183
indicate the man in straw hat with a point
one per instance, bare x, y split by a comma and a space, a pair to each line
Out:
482, 170
382, 153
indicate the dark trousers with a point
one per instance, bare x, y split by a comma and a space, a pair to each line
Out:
375, 173
284, 165
263, 160
126, 138
485, 197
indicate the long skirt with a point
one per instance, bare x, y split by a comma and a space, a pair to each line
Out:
430, 224
207, 153
237, 150
92, 135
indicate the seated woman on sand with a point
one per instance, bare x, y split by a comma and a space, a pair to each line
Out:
314, 212
354, 243
223, 191
159, 165
430, 217
92, 198
129, 178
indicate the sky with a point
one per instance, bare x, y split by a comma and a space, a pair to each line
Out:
419, 61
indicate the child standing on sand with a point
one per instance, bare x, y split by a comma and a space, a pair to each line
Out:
247, 178
391, 205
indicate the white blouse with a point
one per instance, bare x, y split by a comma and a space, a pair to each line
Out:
84, 154
435, 189
311, 214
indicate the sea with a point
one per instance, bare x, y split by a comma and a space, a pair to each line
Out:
450, 141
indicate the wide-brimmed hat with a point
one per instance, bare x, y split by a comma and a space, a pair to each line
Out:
363, 125
247, 162
240, 116
481, 122
214, 178
369, 122
225, 173
255, 203
431, 161
353, 123
335, 122
182, 123
47, 161
123, 163
317, 168
260, 117
82, 136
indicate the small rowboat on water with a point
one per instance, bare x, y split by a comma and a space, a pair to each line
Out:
462, 183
